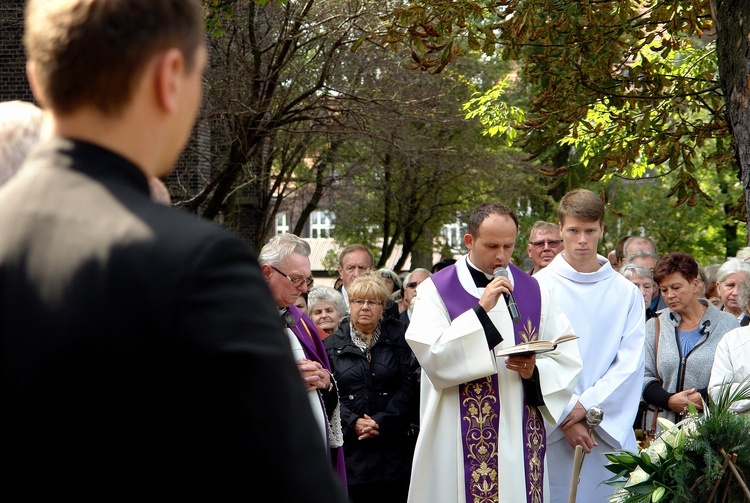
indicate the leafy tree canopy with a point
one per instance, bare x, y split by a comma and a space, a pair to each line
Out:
631, 88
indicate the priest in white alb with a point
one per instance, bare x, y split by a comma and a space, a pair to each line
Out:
482, 417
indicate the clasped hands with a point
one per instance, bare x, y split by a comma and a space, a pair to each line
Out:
576, 431
680, 401
366, 427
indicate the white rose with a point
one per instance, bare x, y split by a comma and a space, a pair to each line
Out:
637, 476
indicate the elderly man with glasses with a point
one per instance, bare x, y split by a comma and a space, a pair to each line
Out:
285, 263
545, 241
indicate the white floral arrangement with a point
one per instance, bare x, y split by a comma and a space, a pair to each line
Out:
701, 459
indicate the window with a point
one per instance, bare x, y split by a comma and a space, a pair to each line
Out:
282, 223
453, 234
321, 223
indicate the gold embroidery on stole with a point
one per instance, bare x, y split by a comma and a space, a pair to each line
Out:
481, 439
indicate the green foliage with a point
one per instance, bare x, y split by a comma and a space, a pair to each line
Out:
643, 208
498, 118
425, 162
631, 87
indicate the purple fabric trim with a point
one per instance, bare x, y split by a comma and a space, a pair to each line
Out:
529, 299
314, 350
526, 291
313, 346
480, 403
447, 284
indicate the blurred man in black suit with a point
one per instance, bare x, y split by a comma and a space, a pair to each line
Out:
142, 354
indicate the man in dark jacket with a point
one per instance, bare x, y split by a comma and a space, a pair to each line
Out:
142, 356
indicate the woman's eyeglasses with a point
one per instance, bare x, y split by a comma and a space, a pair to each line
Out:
366, 302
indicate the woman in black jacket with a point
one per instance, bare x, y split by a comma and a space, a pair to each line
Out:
375, 371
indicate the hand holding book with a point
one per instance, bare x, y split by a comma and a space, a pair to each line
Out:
535, 347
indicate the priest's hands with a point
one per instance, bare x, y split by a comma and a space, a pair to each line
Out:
313, 374
493, 291
524, 365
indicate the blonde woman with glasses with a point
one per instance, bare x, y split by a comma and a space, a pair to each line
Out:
375, 371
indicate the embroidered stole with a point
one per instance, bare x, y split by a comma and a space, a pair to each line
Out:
480, 401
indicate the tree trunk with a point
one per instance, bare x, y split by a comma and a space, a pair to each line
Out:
732, 21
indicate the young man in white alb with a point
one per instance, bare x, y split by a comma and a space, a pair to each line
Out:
606, 311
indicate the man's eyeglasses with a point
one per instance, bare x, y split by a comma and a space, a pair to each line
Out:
412, 284
366, 302
295, 282
552, 243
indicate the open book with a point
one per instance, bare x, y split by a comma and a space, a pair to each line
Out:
528, 348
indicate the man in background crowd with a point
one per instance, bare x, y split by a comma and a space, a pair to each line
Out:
544, 243
354, 260
411, 282
635, 243
285, 264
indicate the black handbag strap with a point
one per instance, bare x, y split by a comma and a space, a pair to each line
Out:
657, 336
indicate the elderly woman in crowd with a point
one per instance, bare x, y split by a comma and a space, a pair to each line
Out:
682, 339
731, 273
393, 286
374, 370
732, 358
641, 276
327, 308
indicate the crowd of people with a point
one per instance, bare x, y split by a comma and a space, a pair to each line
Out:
650, 344
176, 363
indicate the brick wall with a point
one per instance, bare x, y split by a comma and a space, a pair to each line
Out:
13, 82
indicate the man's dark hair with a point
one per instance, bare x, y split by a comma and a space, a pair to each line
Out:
92, 52
438, 266
484, 210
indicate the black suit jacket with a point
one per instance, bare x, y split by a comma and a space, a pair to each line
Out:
142, 355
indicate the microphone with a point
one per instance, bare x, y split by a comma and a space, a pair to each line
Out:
509, 299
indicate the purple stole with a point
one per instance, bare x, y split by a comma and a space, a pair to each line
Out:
480, 402
305, 331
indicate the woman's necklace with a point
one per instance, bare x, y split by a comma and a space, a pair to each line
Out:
691, 327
